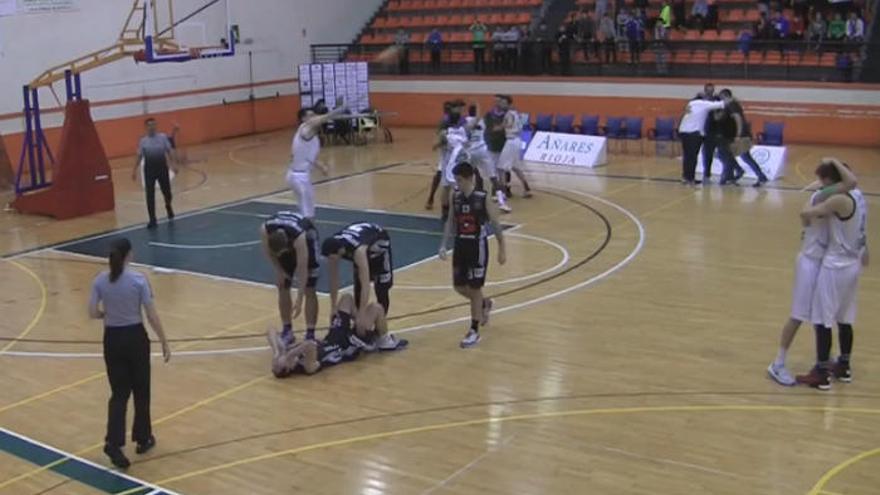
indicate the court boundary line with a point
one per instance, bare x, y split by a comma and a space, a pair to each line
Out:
41, 310
70, 457
571, 288
207, 209
512, 418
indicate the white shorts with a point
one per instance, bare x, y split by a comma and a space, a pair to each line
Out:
806, 272
834, 300
483, 161
511, 155
446, 177
441, 160
301, 185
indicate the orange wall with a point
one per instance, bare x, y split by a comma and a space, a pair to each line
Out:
424, 110
198, 125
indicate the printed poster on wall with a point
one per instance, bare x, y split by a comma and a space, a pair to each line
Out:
47, 6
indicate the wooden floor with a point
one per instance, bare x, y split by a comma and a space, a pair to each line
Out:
635, 319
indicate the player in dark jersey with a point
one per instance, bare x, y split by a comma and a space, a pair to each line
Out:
344, 342
368, 247
469, 220
290, 241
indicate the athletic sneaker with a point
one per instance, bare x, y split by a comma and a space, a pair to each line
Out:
505, 207
471, 339
287, 339
527, 194
780, 375
390, 342
816, 378
487, 311
842, 372
361, 344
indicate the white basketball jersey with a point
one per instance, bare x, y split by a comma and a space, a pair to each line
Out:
455, 137
304, 151
814, 237
477, 140
512, 132
847, 236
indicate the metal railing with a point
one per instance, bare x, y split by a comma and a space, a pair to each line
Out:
756, 59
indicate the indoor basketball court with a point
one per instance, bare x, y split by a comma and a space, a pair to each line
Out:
633, 320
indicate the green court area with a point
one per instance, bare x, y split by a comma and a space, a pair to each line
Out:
224, 242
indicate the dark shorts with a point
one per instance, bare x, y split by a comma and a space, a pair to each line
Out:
382, 270
470, 261
288, 262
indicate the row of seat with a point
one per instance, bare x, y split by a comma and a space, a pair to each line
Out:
665, 128
682, 56
407, 5
658, 3
464, 20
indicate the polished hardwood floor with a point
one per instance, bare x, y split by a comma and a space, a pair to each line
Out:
634, 322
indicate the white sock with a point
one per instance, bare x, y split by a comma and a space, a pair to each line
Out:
780, 357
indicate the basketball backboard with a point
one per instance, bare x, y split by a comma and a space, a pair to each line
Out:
181, 30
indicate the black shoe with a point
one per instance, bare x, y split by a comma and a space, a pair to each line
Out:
760, 183
143, 448
152, 225
117, 457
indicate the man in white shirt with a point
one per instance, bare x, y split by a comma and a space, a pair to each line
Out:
691, 130
855, 28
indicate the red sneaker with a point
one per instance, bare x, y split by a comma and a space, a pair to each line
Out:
816, 378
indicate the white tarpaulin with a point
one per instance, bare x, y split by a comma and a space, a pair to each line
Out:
46, 6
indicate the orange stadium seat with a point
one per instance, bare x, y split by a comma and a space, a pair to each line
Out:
728, 35
380, 22
393, 5
711, 35
456, 20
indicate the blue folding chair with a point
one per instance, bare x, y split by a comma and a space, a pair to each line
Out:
772, 135
663, 132
613, 130
632, 131
565, 123
590, 125
544, 122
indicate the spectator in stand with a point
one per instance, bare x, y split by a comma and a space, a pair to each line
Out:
816, 31
855, 28
797, 28
401, 41
801, 9
586, 34
745, 41
837, 28
525, 49
764, 7
699, 12
435, 45
780, 30
665, 17
478, 32
634, 33
679, 14
544, 42
845, 65
608, 36
563, 45
661, 50
601, 9
712, 15
623, 17
498, 50
512, 40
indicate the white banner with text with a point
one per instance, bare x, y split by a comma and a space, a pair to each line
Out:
574, 150
771, 159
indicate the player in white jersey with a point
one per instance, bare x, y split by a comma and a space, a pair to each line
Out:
479, 156
834, 299
511, 156
835, 179
304, 155
455, 140
441, 152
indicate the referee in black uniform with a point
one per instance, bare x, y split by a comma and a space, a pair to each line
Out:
157, 152
117, 297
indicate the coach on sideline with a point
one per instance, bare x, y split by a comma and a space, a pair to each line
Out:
122, 293
690, 131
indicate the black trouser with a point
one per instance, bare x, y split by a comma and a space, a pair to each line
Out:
710, 144
564, 60
479, 59
610, 50
152, 174
403, 62
435, 60
127, 357
498, 60
512, 59
731, 170
690, 147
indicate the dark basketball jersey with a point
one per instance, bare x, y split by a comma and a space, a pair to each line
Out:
292, 223
470, 215
376, 239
